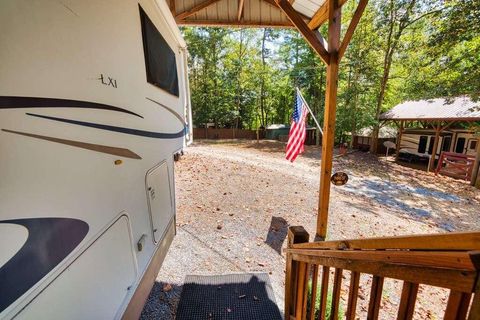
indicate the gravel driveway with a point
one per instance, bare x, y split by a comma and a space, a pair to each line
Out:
235, 201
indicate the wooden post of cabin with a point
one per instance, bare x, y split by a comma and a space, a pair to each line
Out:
431, 163
399, 139
476, 170
334, 24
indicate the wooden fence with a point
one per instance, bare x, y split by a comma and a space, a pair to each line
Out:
221, 133
449, 261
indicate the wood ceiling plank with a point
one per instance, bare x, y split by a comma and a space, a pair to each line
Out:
195, 9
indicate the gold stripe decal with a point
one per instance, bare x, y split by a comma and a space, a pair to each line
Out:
122, 152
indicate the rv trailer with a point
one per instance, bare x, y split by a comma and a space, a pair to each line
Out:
418, 144
94, 102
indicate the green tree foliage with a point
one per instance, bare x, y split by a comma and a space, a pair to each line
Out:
402, 50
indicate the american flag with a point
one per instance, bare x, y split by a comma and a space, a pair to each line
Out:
298, 130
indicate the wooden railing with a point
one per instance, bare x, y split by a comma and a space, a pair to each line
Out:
450, 261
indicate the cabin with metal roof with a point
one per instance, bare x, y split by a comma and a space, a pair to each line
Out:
429, 127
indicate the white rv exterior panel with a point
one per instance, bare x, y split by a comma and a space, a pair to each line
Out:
98, 292
80, 127
12, 239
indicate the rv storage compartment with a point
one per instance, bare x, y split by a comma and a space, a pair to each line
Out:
159, 199
95, 285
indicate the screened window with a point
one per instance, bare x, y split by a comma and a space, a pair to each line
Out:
160, 60
422, 144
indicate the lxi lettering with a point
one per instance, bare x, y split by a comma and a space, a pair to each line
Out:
108, 81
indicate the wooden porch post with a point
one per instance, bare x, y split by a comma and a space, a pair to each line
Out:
399, 139
431, 163
334, 24
476, 171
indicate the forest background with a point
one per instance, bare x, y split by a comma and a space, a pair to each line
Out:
402, 50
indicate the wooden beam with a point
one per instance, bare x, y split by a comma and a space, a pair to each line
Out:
295, 235
195, 9
328, 137
172, 7
351, 27
399, 139
445, 259
240, 9
321, 16
302, 27
455, 279
460, 241
431, 163
476, 169
222, 23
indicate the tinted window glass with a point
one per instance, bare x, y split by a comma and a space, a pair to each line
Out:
430, 146
460, 145
446, 143
473, 145
159, 57
422, 144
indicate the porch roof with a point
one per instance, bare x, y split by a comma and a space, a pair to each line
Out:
455, 109
247, 13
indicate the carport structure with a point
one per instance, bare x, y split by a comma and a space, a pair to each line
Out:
440, 114
435, 260
307, 16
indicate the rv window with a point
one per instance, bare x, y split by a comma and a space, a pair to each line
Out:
159, 57
422, 144
473, 145
430, 146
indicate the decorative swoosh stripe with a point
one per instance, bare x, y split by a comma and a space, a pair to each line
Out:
136, 132
50, 240
179, 117
122, 152
10, 102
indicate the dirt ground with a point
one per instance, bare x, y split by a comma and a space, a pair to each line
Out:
236, 199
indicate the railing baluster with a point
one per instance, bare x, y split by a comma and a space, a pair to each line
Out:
302, 271
337, 285
457, 306
313, 298
353, 295
324, 293
288, 285
475, 309
308, 270
375, 298
407, 301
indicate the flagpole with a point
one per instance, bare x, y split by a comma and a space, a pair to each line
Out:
313, 116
